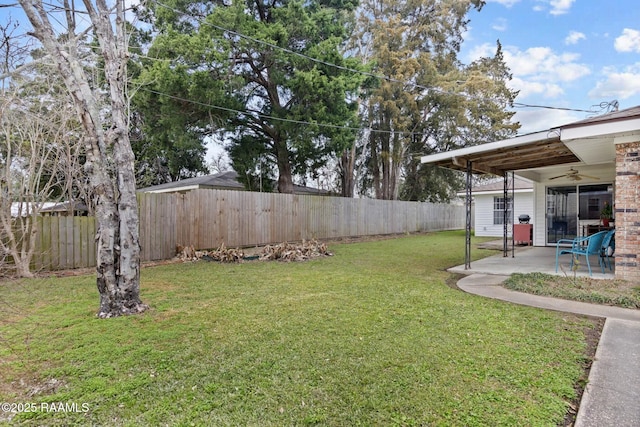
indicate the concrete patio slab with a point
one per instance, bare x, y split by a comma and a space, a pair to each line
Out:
533, 259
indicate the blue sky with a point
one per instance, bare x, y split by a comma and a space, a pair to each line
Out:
562, 53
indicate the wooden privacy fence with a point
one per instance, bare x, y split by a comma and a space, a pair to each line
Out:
65, 242
208, 218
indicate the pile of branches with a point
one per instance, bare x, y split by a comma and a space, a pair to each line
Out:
187, 253
280, 252
294, 252
224, 254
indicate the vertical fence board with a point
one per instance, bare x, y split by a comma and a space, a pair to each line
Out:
44, 248
66, 240
76, 246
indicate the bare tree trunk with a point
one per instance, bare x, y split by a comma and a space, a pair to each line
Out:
386, 158
109, 155
347, 169
285, 180
375, 165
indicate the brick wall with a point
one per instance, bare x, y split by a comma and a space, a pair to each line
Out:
627, 215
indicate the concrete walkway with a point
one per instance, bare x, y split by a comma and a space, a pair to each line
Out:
612, 395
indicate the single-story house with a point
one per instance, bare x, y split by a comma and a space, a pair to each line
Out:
576, 170
65, 209
23, 209
48, 208
227, 180
489, 204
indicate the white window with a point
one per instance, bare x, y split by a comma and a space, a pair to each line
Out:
498, 210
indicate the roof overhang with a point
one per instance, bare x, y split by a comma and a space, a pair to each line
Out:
588, 142
522, 152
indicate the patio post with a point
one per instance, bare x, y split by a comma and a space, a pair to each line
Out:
505, 214
513, 214
505, 199
467, 246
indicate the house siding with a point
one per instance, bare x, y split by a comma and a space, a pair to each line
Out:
627, 212
540, 223
484, 226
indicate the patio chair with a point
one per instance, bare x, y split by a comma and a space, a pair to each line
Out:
591, 245
608, 248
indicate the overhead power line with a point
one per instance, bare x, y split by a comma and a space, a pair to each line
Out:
365, 73
521, 105
266, 116
293, 52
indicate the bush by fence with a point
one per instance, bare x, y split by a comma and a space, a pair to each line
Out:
208, 218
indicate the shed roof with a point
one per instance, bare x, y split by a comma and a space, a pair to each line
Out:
221, 181
225, 180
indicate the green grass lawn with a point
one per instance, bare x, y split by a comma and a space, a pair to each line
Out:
370, 336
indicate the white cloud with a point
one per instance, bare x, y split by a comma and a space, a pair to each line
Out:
538, 119
557, 7
537, 70
560, 7
481, 50
629, 41
543, 64
506, 3
618, 84
528, 88
500, 24
574, 37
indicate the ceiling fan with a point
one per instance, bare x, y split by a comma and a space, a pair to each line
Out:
574, 175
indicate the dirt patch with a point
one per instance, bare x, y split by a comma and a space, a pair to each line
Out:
453, 279
592, 336
28, 389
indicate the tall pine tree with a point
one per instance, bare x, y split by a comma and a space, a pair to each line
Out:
430, 101
264, 99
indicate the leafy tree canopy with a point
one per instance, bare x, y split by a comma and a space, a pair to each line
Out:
430, 101
255, 93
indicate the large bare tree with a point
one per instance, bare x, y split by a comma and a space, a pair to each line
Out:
33, 140
109, 158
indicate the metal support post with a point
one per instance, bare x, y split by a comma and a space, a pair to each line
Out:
513, 214
467, 247
505, 207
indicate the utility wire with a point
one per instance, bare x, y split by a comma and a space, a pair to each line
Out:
293, 52
353, 70
266, 116
521, 105
603, 106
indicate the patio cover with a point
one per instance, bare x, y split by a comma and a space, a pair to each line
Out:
522, 152
587, 142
